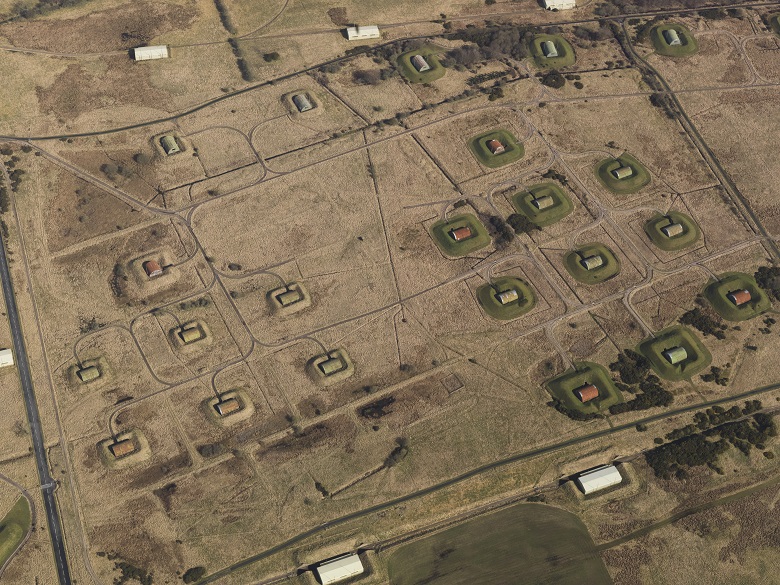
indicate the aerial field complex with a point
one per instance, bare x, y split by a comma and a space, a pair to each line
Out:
409, 293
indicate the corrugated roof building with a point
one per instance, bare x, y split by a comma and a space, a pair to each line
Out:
420, 63
6, 357
672, 230
623, 172
592, 262
152, 52
672, 38
586, 392
544, 202
226, 407
122, 448
169, 144
675, 355
331, 366
301, 101
559, 4
461, 233
507, 296
152, 268
190, 334
356, 33
739, 297
88, 374
549, 50
495, 146
599, 479
339, 569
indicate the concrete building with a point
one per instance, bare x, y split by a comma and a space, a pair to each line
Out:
331, 366
672, 38
508, 296
88, 374
302, 102
226, 407
739, 297
599, 479
122, 448
544, 202
560, 4
586, 392
169, 144
153, 52
592, 262
289, 297
152, 268
672, 230
357, 33
675, 355
420, 63
461, 233
623, 173
6, 357
495, 146
549, 50
190, 334
339, 569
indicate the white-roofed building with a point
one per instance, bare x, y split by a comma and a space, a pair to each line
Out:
356, 33
599, 479
560, 4
6, 357
152, 52
339, 569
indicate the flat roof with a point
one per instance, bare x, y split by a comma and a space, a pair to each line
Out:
340, 568
599, 478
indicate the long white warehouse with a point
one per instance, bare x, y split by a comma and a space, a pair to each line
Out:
599, 479
6, 357
152, 52
560, 4
356, 33
339, 569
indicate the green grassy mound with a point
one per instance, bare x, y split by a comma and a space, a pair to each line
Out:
609, 269
716, 293
406, 68
676, 336
441, 235
524, 543
565, 58
562, 387
562, 205
632, 184
13, 527
688, 47
774, 23
486, 295
514, 150
689, 236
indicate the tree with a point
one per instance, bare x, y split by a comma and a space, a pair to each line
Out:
554, 79
194, 574
521, 224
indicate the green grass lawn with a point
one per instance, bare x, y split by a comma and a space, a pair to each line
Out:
690, 235
408, 70
609, 269
632, 184
566, 56
514, 150
441, 235
13, 527
716, 293
529, 544
676, 336
562, 387
689, 45
486, 295
562, 205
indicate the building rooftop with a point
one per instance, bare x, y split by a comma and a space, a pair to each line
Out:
122, 448
739, 297
623, 172
461, 233
495, 146
228, 406
599, 479
88, 374
339, 569
586, 392
152, 268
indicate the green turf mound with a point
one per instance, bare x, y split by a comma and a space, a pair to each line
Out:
489, 300
408, 70
655, 229
529, 544
774, 23
688, 45
513, 149
13, 527
632, 184
676, 336
717, 294
561, 206
565, 58
441, 235
562, 388
609, 268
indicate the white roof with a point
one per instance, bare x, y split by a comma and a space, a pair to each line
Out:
560, 4
363, 32
6, 357
340, 568
599, 479
152, 52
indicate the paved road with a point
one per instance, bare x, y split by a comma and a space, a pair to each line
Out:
47, 482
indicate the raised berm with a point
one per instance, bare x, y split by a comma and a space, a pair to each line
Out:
592, 263
13, 528
673, 40
675, 353
552, 52
622, 175
774, 23
543, 204
496, 148
673, 231
460, 235
331, 367
525, 543
506, 298
587, 388
424, 69
735, 296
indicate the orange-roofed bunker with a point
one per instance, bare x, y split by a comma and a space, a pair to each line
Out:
495, 146
152, 268
226, 407
586, 392
122, 448
461, 233
739, 297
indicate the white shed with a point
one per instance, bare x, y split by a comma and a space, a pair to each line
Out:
6, 357
560, 4
356, 33
153, 52
599, 479
339, 569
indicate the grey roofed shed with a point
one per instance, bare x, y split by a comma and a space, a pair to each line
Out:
623, 172
88, 374
507, 296
420, 63
549, 50
672, 230
302, 102
543, 202
289, 297
592, 262
675, 355
169, 144
331, 365
672, 38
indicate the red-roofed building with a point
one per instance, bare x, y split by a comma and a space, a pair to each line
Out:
495, 146
739, 297
586, 392
152, 268
461, 233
